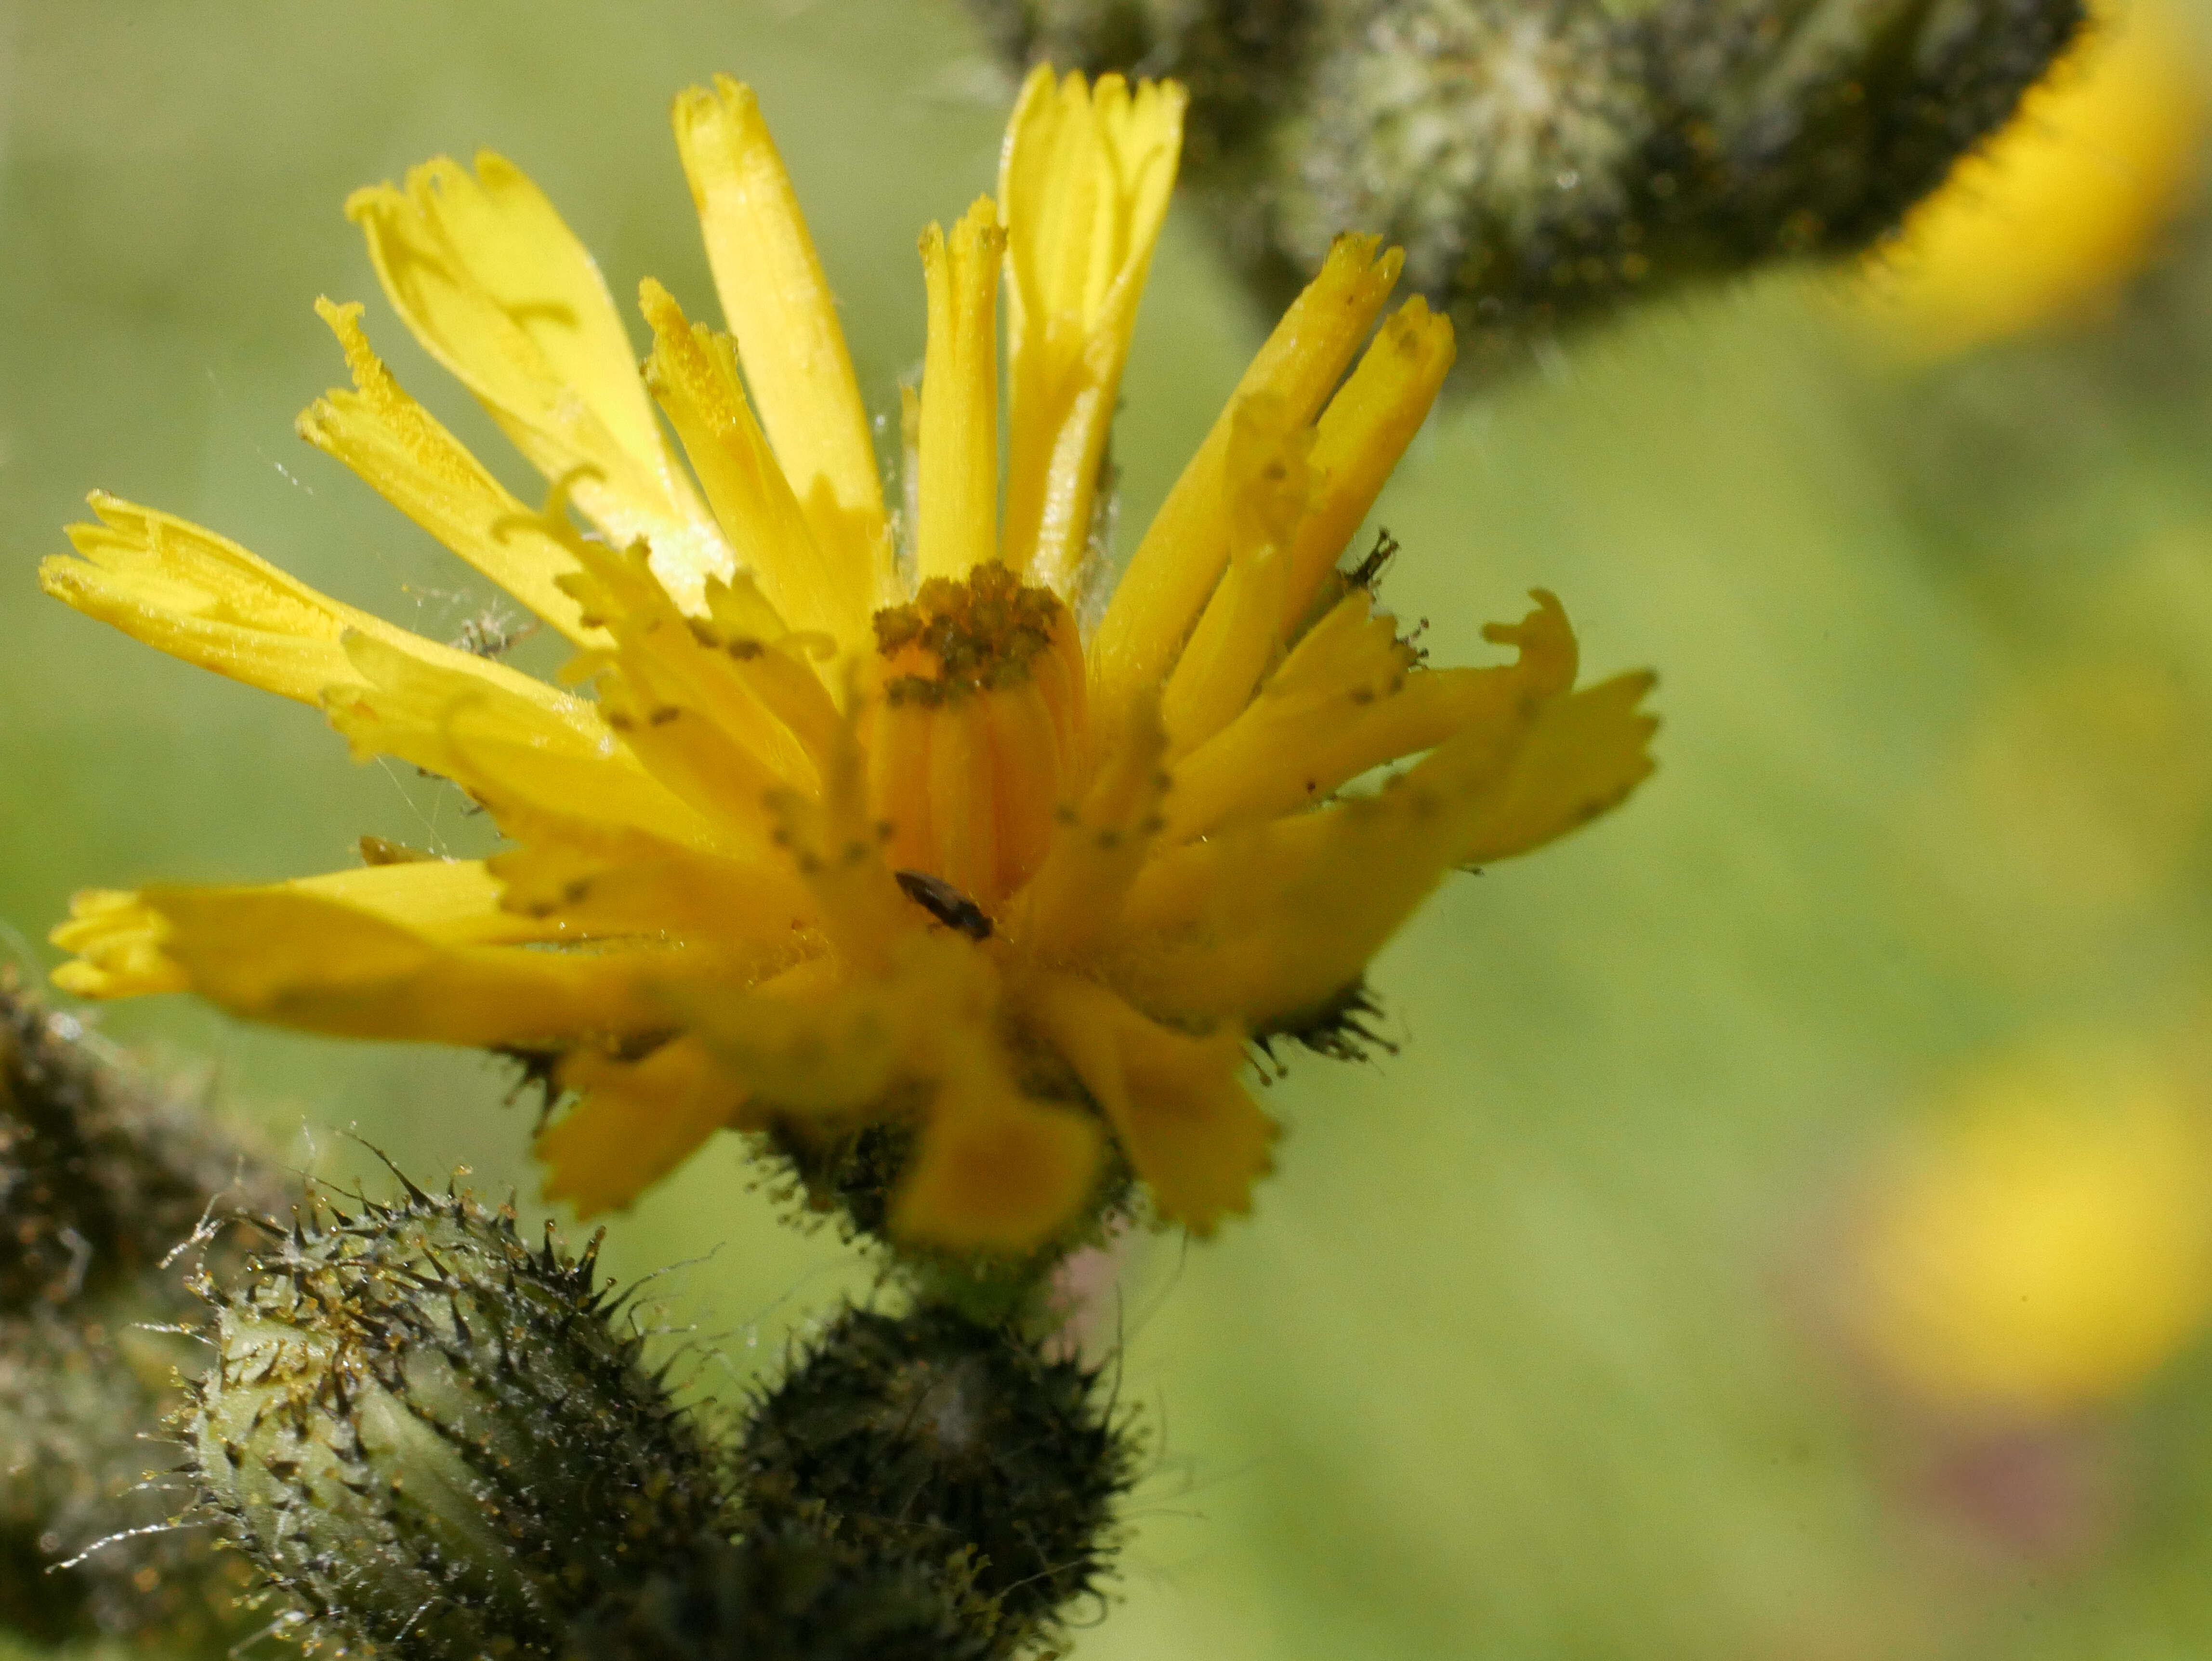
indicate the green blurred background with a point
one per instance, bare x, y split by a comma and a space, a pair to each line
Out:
1549, 1338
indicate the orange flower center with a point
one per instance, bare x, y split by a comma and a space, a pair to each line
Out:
975, 734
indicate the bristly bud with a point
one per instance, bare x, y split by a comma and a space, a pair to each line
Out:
1546, 163
102, 1175
434, 1436
789, 1591
81, 1401
930, 1439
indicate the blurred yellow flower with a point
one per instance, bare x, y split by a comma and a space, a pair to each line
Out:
860, 829
2044, 1244
2062, 205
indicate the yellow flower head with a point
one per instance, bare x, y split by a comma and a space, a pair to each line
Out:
2044, 1245
857, 833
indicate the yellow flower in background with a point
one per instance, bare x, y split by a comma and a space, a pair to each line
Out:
859, 826
2044, 1244
2046, 222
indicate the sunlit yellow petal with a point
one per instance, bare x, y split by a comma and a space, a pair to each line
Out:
960, 395
1083, 182
422, 470
779, 306
500, 292
636, 1123
1191, 1130
693, 371
299, 959
200, 596
1177, 565
1351, 697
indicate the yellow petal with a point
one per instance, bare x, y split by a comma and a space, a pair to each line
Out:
200, 596
779, 306
836, 847
1360, 437
496, 733
1268, 483
636, 1123
815, 1041
500, 292
993, 1171
1177, 565
1349, 697
1191, 1130
1084, 182
1584, 754
117, 940
1263, 924
590, 881
960, 396
1098, 849
712, 715
694, 373
422, 470
300, 959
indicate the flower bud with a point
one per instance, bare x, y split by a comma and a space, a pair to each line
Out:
788, 1591
102, 1175
1546, 164
432, 1437
86, 1551
929, 1438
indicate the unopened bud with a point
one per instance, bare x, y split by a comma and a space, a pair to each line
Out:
433, 1438
102, 1174
1546, 163
87, 1550
790, 1592
930, 1437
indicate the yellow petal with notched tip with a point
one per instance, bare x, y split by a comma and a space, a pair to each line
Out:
778, 304
993, 1171
1191, 1130
1583, 754
1262, 924
694, 373
117, 936
202, 598
1352, 697
1177, 565
117, 940
422, 470
1083, 182
1360, 437
302, 960
499, 291
636, 1123
959, 527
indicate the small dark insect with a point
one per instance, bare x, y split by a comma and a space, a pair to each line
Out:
946, 903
